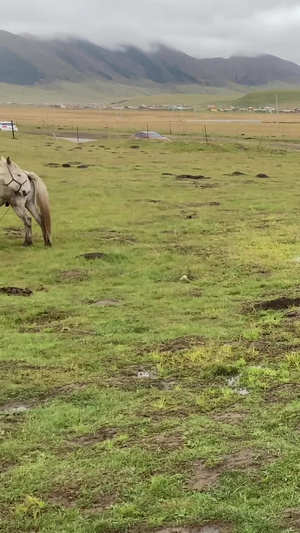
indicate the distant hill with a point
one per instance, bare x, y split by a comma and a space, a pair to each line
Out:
265, 98
29, 61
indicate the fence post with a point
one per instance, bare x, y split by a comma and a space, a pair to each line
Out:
205, 133
12, 129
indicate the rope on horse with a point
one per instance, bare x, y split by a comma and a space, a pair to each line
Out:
5, 213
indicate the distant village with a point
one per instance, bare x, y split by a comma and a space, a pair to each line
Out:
166, 107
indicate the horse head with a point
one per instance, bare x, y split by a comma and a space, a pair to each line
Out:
17, 180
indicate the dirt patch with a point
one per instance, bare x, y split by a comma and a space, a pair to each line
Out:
113, 235
167, 174
66, 165
15, 233
16, 291
283, 393
52, 165
192, 177
6, 465
94, 438
14, 408
238, 173
104, 303
101, 504
175, 345
83, 166
261, 175
207, 186
92, 256
277, 304
272, 347
73, 275
199, 204
132, 382
164, 442
291, 517
293, 315
212, 527
64, 496
135, 147
205, 478
63, 390
231, 418
46, 317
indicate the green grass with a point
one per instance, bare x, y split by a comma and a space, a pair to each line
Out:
98, 448
262, 98
104, 92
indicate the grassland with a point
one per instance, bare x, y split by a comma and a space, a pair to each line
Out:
132, 401
256, 128
288, 97
105, 92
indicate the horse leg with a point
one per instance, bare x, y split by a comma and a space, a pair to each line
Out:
22, 213
32, 208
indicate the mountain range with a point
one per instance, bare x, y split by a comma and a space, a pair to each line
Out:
29, 61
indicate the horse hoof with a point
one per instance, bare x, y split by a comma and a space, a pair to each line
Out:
26, 244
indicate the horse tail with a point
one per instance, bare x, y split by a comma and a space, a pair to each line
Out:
42, 200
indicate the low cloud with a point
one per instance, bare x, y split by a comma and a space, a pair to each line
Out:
197, 27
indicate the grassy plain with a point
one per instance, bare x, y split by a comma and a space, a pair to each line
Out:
189, 124
132, 401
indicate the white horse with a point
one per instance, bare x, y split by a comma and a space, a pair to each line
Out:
24, 191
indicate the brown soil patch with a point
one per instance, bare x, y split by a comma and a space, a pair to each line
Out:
133, 383
292, 518
64, 390
113, 235
175, 345
192, 177
47, 317
94, 438
199, 204
15, 233
212, 527
65, 496
6, 465
237, 173
283, 393
272, 347
92, 255
277, 304
16, 291
101, 504
293, 315
261, 175
207, 186
14, 408
204, 477
230, 418
104, 303
164, 442
73, 275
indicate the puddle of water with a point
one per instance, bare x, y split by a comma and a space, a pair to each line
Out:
145, 374
226, 120
75, 140
242, 392
14, 409
233, 382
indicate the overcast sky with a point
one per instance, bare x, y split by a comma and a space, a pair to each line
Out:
203, 28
